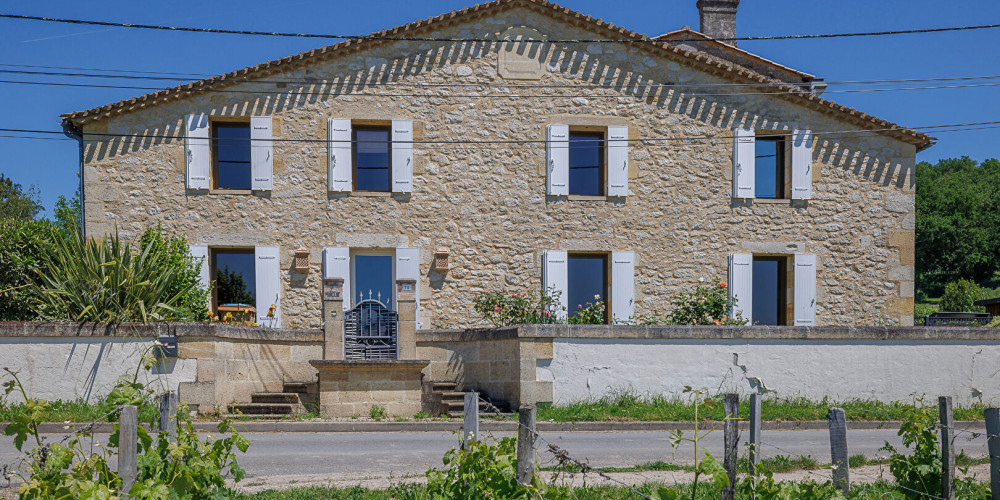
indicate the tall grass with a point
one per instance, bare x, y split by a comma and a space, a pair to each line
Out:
626, 404
105, 281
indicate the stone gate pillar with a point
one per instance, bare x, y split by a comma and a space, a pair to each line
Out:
333, 318
406, 299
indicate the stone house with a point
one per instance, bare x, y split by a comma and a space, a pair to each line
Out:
518, 145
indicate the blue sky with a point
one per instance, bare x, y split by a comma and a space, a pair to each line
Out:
51, 166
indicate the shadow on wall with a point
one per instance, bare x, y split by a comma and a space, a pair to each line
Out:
610, 79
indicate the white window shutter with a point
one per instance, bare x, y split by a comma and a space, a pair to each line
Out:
802, 156
200, 254
622, 286
744, 163
555, 278
805, 289
261, 153
741, 284
618, 150
340, 163
267, 268
197, 154
408, 268
557, 159
337, 264
402, 156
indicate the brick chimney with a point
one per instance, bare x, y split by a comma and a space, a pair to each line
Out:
718, 18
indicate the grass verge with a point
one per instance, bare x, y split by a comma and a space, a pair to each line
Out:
627, 405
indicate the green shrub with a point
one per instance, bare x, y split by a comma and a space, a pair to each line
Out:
481, 470
919, 470
21, 243
107, 281
705, 305
179, 467
377, 413
185, 282
518, 308
960, 295
591, 313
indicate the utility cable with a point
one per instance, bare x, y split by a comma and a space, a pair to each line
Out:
644, 39
779, 91
362, 83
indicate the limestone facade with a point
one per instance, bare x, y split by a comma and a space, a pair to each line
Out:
479, 172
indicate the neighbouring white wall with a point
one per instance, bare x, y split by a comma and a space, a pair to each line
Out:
85, 368
969, 371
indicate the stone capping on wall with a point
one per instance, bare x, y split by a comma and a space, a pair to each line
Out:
929, 333
759, 332
152, 330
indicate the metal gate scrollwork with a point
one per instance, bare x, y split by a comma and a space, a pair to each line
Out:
370, 331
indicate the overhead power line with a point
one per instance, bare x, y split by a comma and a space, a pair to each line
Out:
489, 40
629, 88
152, 75
591, 85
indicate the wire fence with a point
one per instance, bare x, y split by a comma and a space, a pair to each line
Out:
878, 484
565, 464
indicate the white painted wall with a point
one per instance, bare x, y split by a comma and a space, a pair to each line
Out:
85, 368
883, 370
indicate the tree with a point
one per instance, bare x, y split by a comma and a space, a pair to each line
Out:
68, 212
16, 203
958, 222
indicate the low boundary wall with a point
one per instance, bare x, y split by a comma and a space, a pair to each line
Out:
568, 363
219, 364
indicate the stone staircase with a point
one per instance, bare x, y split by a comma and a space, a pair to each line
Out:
294, 399
450, 402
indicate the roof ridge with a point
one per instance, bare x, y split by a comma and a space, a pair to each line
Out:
708, 63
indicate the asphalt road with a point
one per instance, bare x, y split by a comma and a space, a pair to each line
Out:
399, 453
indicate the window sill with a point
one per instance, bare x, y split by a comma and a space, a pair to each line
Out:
581, 197
772, 201
371, 194
230, 191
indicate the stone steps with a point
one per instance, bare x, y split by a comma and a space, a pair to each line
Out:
270, 405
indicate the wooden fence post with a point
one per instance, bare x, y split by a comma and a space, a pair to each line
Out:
993, 440
128, 441
731, 437
168, 413
471, 417
838, 449
754, 448
947, 422
526, 444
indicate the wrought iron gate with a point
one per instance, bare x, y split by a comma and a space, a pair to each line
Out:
370, 331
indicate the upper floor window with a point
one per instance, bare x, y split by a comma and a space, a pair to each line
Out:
586, 163
586, 160
231, 166
372, 158
773, 164
769, 166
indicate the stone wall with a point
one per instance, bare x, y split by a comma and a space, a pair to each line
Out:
235, 362
70, 362
484, 360
218, 365
486, 203
569, 363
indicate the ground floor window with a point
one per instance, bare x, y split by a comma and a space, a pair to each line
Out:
769, 290
373, 278
235, 278
587, 282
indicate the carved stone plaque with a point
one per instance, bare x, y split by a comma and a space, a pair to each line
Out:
521, 59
